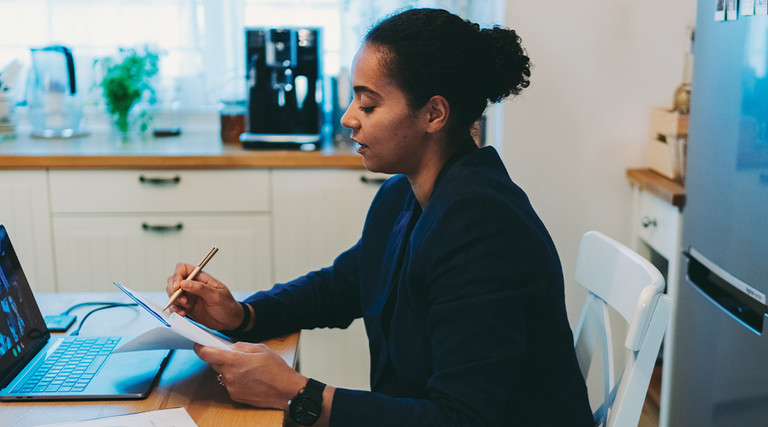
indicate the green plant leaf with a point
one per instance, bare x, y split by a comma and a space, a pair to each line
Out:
126, 80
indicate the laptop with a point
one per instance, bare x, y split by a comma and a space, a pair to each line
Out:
36, 366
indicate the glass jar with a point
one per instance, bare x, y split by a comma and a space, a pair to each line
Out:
7, 119
232, 116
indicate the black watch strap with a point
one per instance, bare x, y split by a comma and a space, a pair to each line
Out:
314, 389
244, 324
304, 409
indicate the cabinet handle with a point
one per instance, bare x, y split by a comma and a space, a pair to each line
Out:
366, 180
160, 181
161, 228
648, 222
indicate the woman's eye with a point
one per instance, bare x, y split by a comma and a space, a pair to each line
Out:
366, 109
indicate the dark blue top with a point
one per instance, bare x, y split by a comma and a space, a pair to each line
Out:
463, 305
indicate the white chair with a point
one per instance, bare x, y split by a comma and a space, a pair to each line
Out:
618, 277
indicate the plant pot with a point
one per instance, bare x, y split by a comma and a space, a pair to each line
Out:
131, 126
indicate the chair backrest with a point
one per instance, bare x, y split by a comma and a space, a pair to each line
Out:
620, 278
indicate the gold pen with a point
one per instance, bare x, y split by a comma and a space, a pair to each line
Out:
191, 276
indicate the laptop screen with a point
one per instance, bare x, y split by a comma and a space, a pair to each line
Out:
21, 323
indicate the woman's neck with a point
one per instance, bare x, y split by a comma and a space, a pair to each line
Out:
423, 182
424, 179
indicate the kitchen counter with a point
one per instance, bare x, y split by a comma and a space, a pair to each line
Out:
660, 186
199, 150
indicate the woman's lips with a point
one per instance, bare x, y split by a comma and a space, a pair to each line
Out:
360, 147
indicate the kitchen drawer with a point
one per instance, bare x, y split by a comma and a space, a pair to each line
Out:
141, 251
91, 191
658, 224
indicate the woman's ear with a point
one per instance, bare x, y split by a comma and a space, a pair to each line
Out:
438, 110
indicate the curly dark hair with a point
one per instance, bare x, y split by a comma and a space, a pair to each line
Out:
430, 52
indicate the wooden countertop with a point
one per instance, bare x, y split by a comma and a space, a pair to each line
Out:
199, 150
664, 188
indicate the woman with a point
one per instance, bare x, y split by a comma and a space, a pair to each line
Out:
456, 278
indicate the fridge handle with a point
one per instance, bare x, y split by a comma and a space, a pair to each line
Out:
732, 295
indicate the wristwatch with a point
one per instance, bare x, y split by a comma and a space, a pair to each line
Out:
304, 408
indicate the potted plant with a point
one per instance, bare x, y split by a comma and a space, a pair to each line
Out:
125, 82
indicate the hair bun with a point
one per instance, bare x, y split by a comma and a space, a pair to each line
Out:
508, 66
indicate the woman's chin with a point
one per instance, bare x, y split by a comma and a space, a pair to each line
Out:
370, 164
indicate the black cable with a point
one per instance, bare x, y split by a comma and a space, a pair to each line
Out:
110, 305
85, 304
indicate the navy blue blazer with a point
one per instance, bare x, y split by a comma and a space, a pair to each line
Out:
463, 306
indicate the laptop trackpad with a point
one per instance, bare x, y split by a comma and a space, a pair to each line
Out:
127, 375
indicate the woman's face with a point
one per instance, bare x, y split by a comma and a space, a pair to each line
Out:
389, 133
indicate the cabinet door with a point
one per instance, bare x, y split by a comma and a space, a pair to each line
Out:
318, 214
24, 210
141, 251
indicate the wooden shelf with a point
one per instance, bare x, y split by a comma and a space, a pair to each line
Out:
662, 187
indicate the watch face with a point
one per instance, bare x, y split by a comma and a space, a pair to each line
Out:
304, 410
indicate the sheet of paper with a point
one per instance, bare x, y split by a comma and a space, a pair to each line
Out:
176, 417
198, 333
175, 332
152, 308
161, 337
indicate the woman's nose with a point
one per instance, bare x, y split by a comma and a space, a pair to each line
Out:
347, 120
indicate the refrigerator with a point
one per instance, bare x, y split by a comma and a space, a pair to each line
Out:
720, 356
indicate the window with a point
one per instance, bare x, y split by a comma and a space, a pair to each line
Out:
201, 41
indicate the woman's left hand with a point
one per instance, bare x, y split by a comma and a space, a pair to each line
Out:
254, 374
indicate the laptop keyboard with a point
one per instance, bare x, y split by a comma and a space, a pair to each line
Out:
70, 367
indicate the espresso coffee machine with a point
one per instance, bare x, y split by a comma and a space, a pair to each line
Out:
285, 88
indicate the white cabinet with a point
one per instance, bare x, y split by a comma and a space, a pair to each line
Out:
656, 234
24, 210
657, 224
134, 226
656, 231
93, 251
317, 214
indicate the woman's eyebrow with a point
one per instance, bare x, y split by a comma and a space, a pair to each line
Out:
360, 89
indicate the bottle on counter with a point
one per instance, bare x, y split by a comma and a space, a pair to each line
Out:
682, 98
232, 115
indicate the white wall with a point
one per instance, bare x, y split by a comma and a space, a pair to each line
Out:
599, 67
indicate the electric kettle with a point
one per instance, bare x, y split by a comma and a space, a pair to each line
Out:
55, 110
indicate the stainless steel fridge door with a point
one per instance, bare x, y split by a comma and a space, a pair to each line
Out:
721, 375
720, 356
726, 212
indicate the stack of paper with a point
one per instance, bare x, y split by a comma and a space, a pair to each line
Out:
176, 417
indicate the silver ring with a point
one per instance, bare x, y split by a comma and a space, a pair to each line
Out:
220, 379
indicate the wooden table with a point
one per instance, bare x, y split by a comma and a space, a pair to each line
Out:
186, 381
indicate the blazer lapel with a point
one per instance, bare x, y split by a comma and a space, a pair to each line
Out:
390, 275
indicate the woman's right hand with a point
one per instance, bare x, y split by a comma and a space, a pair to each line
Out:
204, 299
